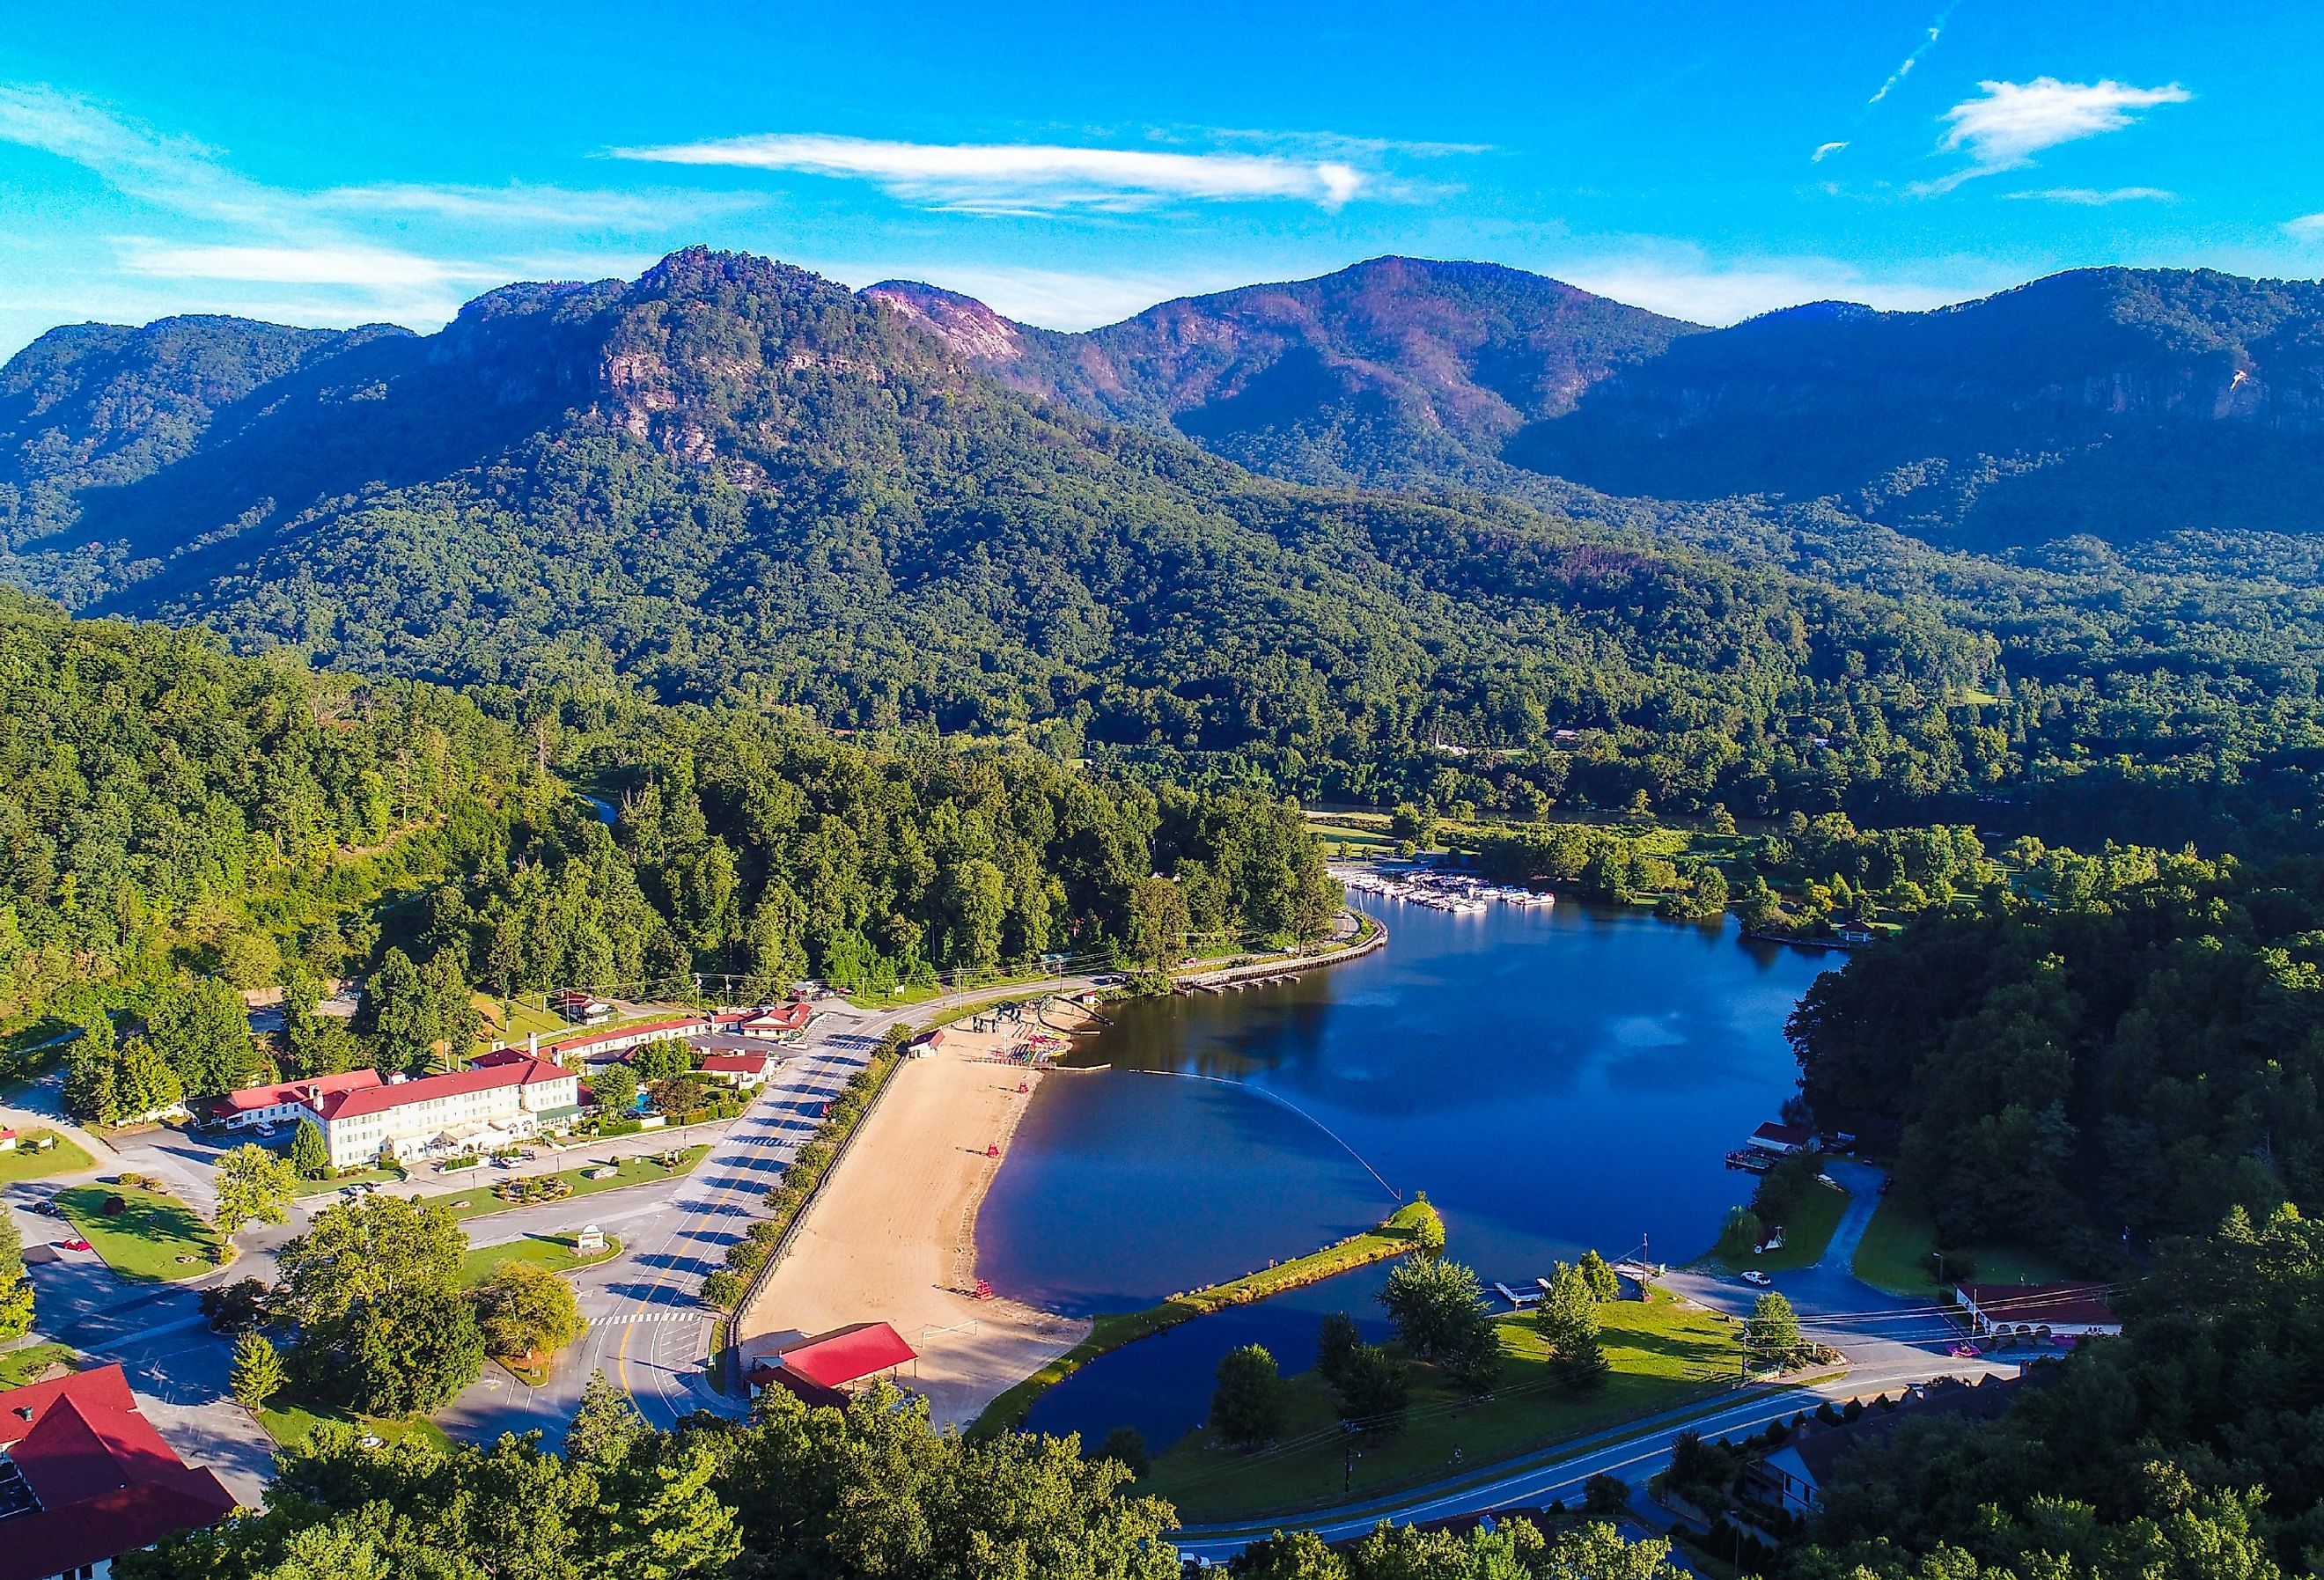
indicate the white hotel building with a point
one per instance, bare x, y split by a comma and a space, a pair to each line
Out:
501, 1099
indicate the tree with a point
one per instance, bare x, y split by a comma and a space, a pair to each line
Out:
661, 1061
144, 1082
662, 1518
355, 1253
1473, 1360
1249, 1406
524, 1310
1375, 1387
15, 1284
1568, 1321
253, 1185
1434, 1306
1126, 1446
606, 1426
1427, 1227
1742, 1234
616, 1087
412, 1351
310, 1154
1599, 1275
1335, 1345
201, 1029
1772, 1332
89, 1094
1158, 923
257, 1374
1293, 1555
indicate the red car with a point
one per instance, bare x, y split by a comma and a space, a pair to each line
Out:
1964, 1351
75, 1243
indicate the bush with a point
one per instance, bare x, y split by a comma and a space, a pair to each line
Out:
746, 1256
724, 1287
1126, 1446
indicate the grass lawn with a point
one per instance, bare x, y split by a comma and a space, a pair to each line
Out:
1893, 1257
1662, 1354
20, 1366
553, 1252
361, 1176
144, 1243
477, 1203
1805, 1237
290, 1423
17, 1164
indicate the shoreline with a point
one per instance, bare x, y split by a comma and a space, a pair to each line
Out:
891, 1236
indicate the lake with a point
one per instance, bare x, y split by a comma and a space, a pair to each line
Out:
1553, 1078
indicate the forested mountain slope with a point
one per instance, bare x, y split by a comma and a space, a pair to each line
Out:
731, 480
2127, 404
94, 405
1397, 370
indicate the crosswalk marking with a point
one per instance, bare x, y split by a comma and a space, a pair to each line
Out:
648, 1317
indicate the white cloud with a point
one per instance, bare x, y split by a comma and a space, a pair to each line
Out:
374, 268
1681, 284
2307, 227
521, 204
1030, 178
2099, 197
2014, 121
1825, 151
1936, 31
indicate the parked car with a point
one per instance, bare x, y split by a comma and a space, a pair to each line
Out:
75, 1243
1964, 1351
1757, 1279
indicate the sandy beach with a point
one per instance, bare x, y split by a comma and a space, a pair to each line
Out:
892, 1235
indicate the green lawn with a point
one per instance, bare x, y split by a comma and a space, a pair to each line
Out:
144, 1243
553, 1252
1662, 1354
360, 1177
18, 1164
20, 1366
477, 1203
291, 1424
1805, 1237
1893, 1256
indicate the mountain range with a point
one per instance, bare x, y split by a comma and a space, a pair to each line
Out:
731, 479
2121, 403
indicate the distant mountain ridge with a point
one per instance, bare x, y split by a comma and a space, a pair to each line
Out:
2122, 403
1395, 370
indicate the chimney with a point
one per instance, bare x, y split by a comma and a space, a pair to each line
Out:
532, 1044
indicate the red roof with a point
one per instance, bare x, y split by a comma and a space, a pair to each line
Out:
106, 1482
929, 1040
735, 1064
380, 1099
499, 1056
789, 1018
2043, 1305
251, 1099
620, 1033
846, 1354
1783, 1135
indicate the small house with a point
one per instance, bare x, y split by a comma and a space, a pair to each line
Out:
925, 1043
743, 1071
1782, 1140
822, 1369
2039, 1312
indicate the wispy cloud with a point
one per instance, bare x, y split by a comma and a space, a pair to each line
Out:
518, 204
373, 268
2099, 197
1684, 283
1030, 178
2011, 122
246, 233
2307, 227
1936, 31
1825, 151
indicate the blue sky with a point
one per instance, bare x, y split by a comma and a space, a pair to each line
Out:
1074, 163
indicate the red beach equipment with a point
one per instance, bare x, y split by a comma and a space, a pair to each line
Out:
993, 1151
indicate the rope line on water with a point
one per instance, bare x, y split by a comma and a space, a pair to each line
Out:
1394, 1194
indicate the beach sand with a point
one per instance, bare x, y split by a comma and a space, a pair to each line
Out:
891, 1237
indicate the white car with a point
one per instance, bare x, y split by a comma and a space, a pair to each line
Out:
1757, 1279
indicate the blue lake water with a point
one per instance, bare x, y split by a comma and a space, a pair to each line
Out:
1554, 1079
